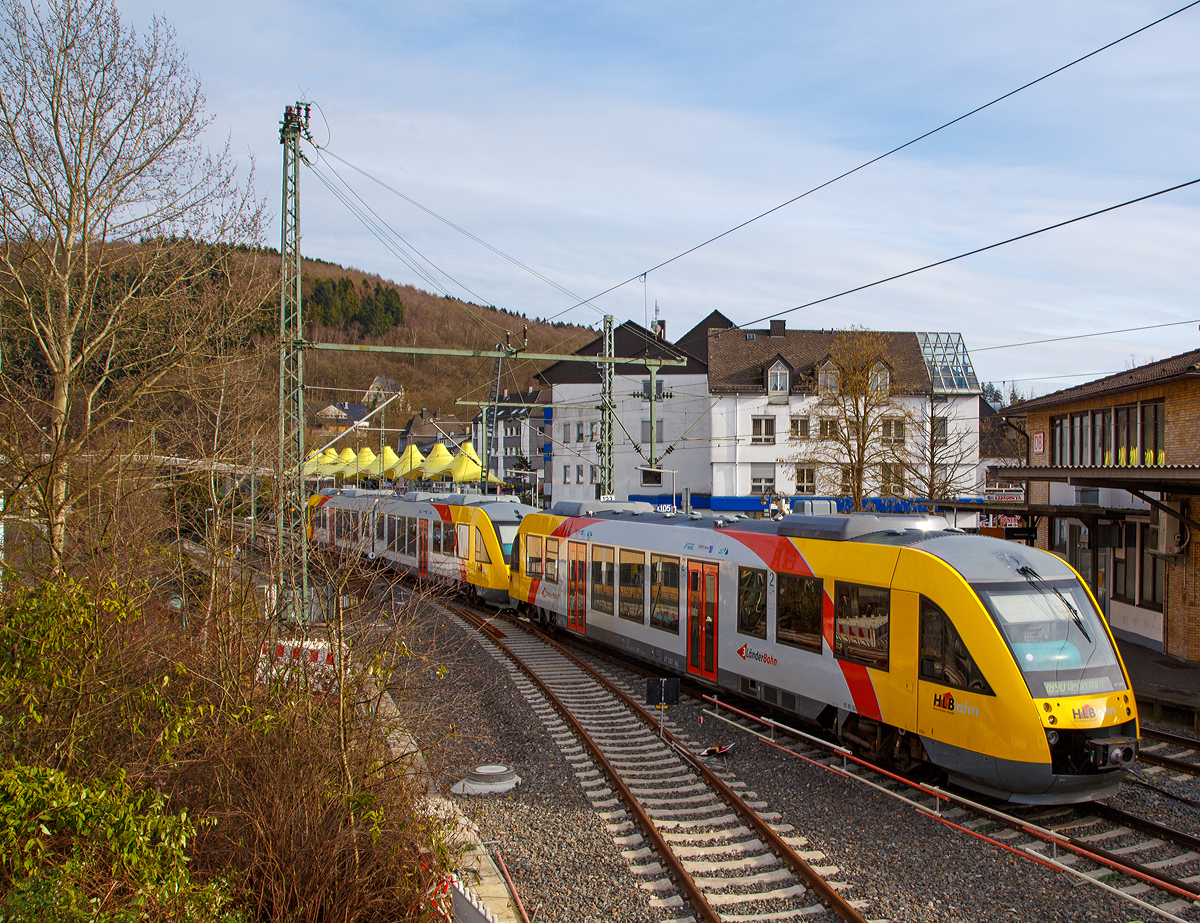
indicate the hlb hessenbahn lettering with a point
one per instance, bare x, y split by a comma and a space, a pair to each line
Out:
945, 700
1087, 711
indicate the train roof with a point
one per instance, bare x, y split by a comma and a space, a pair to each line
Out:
490, 503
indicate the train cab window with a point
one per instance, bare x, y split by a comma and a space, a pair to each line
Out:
633, 586
861, 623
481, 552
752, 602
550, 565
664, 593
602, 579
798, 611
435, 535
944, 657
533, 555
462, 540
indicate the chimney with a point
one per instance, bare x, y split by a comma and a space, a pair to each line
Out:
777, 327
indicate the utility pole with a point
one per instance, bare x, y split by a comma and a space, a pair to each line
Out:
291, 502
488, 431
604, 449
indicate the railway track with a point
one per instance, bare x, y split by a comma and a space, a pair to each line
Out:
1173, 752
699, 841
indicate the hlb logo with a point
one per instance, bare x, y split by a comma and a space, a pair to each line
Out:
1085, 712
946, 701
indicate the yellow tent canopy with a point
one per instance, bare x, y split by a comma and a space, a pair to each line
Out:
435, 464
381, 464
409, 459
313, 465
336, 462
463, 469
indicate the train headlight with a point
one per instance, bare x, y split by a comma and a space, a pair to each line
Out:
1052, 737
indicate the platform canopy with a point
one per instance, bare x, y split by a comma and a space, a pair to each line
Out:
382, 463
312, 466
435, 464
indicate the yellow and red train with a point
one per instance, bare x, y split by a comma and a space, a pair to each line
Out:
915, 643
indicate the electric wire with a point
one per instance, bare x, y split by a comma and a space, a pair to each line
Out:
1082, 336
960, 256
876, 159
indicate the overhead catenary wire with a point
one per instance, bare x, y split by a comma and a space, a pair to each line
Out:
1082, 336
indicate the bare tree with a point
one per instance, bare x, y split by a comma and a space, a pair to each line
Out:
858, 408
119, 257
939, 455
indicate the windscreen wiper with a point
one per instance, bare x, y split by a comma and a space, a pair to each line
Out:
1031, 575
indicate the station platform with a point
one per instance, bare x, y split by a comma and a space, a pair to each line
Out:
1166, 688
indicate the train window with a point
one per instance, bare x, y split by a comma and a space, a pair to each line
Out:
944, 657
462, 540
798, 611
861, 620
602, 579
380, 527
664, 593
435, 535
633, 589
551, 564
533, 555
448, 535
752, 602
481, 552
391, 533
339, 524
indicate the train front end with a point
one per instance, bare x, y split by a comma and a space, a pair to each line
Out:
1073, 712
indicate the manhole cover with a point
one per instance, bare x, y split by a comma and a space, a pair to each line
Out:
485, 780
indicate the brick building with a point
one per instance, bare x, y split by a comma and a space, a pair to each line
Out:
1120, 468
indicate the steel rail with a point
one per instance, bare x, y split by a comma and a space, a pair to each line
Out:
1170, 762
1071, 844
1170, 738
820, 887
682, 878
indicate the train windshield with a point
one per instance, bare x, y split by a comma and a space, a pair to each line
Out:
506, 532
1056, 634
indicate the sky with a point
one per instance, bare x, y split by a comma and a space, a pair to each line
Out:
592, 141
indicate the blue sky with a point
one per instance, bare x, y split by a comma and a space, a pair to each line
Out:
593, 140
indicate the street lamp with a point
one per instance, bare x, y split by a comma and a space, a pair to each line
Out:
670, 471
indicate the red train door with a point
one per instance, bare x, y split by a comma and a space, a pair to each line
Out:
702, 619
422, 547
577, 585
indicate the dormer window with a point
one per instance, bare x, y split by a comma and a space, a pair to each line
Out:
881, 379
777, 382
827, 378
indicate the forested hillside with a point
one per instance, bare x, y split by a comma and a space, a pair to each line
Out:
350, 306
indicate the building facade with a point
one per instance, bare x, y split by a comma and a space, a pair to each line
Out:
1112, 472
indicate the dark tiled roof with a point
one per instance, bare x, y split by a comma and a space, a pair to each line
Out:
629, 339
736, 363
695, 341
1185, 365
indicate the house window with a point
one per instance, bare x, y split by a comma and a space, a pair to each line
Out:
762, 431
892, 480
1152, 569
579, 474
592, 431
827, 428
762, 478
881, 379
658, 389
651, 478
579, 432
893, 431
1125, 561
1153, 436
941, 431
566, 432
658, 431
799, 428
777, 379
806, 480
827, 379
845, 481
595, 476
566, 474
1126, 436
